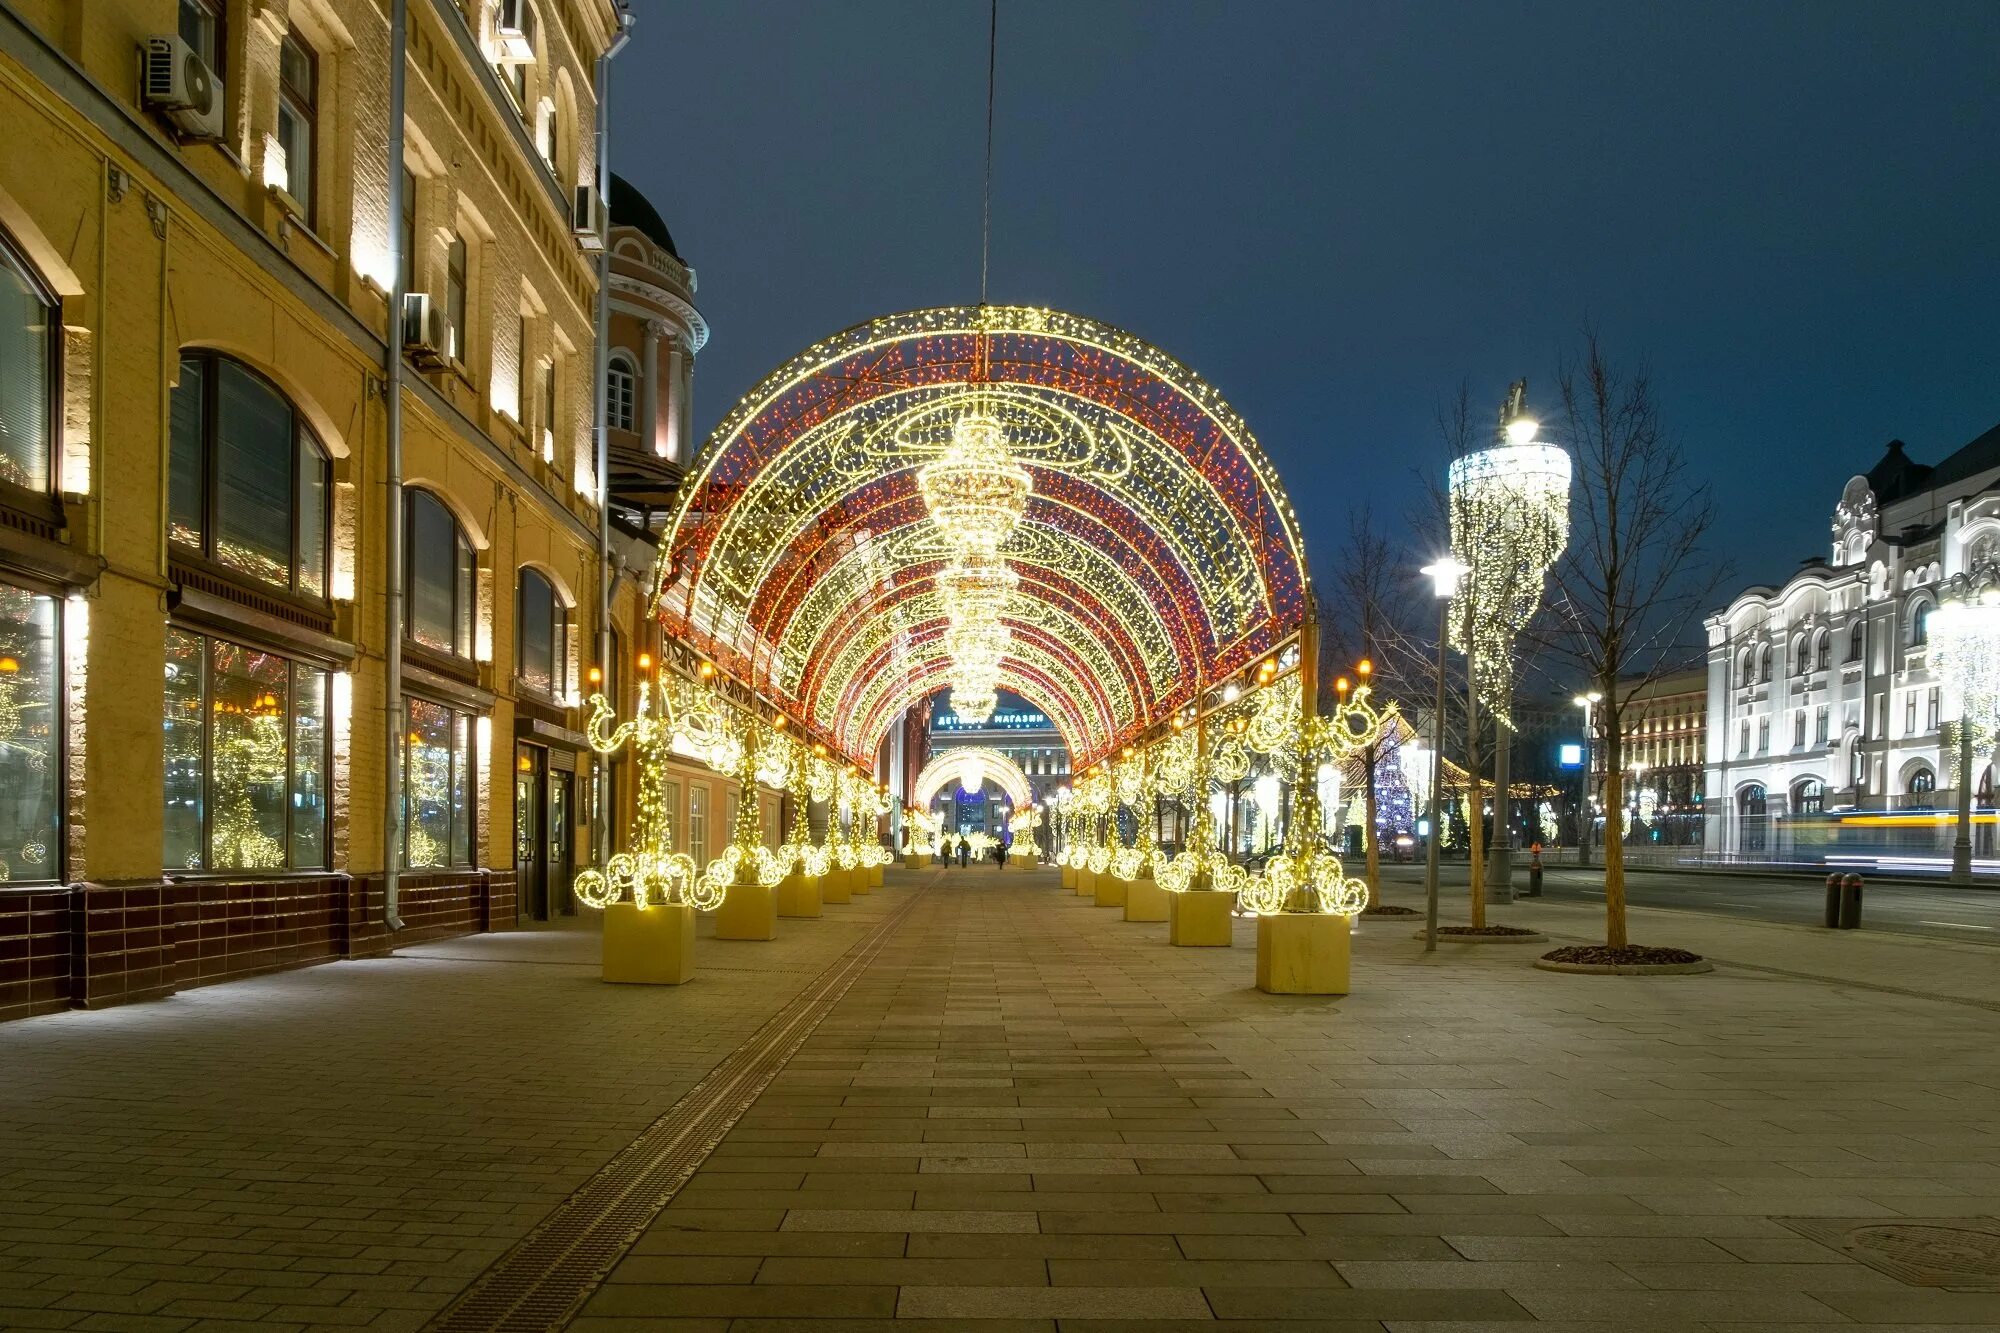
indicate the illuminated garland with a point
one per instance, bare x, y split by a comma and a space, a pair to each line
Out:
652, 872
1509, 524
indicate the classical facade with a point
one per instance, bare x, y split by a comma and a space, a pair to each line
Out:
1665, 725
1821, 696
195, 255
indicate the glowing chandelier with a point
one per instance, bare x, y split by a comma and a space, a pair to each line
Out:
976, 494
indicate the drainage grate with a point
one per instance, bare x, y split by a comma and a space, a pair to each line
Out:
1936, 1252
536, 1286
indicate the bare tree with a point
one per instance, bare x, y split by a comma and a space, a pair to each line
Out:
1634, 575
1366, 587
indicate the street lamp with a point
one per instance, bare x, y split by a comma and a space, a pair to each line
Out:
1444, 574
1964, 634
1588, 703
1509, 524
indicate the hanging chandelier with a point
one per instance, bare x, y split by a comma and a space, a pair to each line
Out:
976, 493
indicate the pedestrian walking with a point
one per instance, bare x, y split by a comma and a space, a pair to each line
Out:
964, 851
1000, 854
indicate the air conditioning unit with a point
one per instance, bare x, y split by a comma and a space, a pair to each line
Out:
514, 33
179, 84
587, 219
426, 336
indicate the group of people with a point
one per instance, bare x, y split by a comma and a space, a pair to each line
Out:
963, 851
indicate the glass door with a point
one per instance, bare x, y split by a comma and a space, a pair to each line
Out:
531, 903
559, 865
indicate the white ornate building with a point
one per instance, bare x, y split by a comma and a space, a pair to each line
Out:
1820, 694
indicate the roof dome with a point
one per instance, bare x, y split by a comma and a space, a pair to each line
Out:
629, 208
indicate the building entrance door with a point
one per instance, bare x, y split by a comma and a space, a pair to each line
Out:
544, 808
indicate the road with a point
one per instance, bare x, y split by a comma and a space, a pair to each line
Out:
1969, 915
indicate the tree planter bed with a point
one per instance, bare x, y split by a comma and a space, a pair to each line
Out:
1634, 960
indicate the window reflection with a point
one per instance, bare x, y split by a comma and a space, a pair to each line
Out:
30, 749
437, 786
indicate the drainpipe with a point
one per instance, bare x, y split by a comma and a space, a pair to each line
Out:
392, 375
601, 814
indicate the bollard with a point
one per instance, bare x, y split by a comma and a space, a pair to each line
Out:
1535, 871
1850, 902
1833, 901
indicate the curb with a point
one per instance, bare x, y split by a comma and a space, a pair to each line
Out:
1444, 936
1628, 969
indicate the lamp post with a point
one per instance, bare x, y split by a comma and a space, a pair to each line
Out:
1964, 635
1444, 574
1588, 703
1509, 523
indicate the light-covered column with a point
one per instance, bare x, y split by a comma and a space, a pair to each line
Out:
676, 431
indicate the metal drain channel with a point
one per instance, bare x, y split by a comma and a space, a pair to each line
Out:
537, 1286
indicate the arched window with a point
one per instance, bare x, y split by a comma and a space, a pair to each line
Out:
1920, 616
1823, 650
541, 635
1764, 664
1854, 641
1984, 551
247, 481
1755, 825
1857, 769
620, 386
1746, 672
1922, 782
1808, 797
29, 328
440, 578
1799, 662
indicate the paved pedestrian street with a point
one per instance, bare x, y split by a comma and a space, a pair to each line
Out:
972, 1099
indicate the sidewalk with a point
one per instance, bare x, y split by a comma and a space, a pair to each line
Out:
1897, 964
1018, 1112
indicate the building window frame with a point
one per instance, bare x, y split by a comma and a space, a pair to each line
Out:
532, 582
621, 397
306, 450
204, 26
461, 765
18, 859
458, 297
48, 401
463, 578
298, 120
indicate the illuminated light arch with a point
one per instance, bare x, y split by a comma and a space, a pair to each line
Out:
971, 767
1158, 554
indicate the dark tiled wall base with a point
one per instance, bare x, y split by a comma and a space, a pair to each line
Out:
93, 945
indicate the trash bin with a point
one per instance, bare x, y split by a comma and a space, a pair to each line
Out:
1833, 901
1850, 902
1535, 871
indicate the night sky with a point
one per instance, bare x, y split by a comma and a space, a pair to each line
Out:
1338, 212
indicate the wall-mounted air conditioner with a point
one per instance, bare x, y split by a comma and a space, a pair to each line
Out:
180, 86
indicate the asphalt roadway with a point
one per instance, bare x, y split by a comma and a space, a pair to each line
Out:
1901, 907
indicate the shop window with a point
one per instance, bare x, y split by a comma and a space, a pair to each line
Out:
440, 577
30, 737
298, 118
246, 740
438, 766
29, 328
542, 634
247, 481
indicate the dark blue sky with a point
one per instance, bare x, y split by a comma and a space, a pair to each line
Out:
1337, 212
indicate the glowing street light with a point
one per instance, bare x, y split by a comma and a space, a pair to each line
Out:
1588, 703
1444, 574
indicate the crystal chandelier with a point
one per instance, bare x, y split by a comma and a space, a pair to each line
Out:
976, 494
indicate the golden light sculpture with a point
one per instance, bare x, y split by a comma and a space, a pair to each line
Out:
974, 490
652, 872
1509, 510
1307, 876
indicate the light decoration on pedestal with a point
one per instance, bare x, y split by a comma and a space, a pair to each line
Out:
1509, 524
1134, 790
652, 872
799, 853
1307, 876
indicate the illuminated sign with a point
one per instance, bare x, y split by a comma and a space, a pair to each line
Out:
1570, 756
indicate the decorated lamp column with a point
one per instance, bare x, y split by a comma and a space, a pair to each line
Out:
1509, 524
799, 891
749, 908
1964, 635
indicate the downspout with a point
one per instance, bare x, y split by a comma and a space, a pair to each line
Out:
601, 410
392, 376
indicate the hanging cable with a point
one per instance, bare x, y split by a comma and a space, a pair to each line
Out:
986, 202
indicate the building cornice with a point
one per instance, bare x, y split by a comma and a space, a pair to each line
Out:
679, 307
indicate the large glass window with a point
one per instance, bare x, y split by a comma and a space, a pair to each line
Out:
298, 116
246, 758
247, 483
438, 765
30, 737
440, 577
543, 636
28, 327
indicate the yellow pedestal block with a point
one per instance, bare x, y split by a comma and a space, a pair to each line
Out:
798, 895
1069, 877
1109, 890
1145, 900
874, 877
834, 888
857, 880
749, 912
649, 946
917, 861
1201, 917
1086, 883
1303, 953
